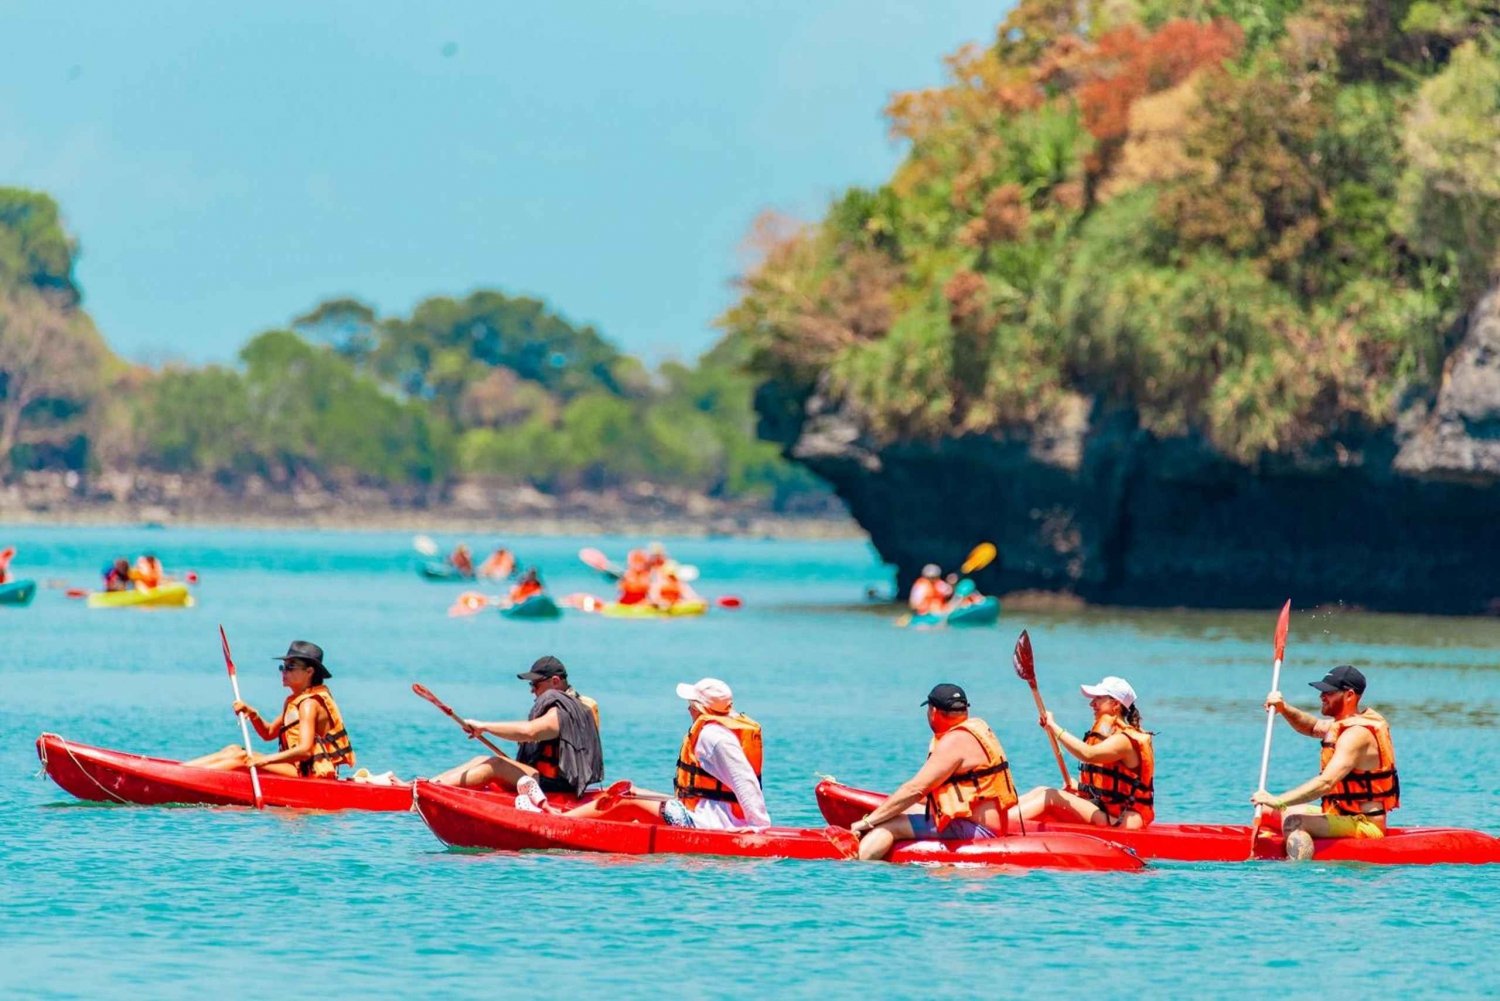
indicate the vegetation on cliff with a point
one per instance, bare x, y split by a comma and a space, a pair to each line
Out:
1255, 222
486, 386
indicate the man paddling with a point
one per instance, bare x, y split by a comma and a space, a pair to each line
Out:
1358, 784
965, 785
559, 741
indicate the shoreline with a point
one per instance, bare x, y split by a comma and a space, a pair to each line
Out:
451, 522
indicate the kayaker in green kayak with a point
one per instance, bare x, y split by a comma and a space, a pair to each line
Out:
529, 586
965, 786
6, 555
559, 742
1357, 784
309, 730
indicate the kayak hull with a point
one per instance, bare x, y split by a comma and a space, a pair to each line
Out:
615, 610
466, 818
538, 606
166, 596
981, 613
17, 592
842, 805
435, 570
106, 776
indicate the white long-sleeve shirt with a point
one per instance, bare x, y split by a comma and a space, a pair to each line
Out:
720, 754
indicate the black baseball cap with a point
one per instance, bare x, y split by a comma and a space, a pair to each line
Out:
544, 668
948, 698
1344, 678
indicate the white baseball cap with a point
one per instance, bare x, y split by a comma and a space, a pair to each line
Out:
1116, 688
710, 693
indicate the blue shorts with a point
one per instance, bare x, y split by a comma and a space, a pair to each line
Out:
923, 828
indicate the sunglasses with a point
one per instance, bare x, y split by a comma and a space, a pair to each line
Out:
289, 666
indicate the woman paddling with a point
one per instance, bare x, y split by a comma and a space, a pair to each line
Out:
1116, 785
309, 730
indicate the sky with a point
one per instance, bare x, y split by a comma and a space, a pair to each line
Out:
225, 168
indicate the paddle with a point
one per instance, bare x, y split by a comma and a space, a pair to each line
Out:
424, 545
455, 717
234, 680
1283, 622
728, 601
980, 557
1025, 664
472, 603
598, 561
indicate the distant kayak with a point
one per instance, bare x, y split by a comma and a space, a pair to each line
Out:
538, 606
17, 592
166, 596
464, 818
985, 612
642, 610
842, 805
438, 570
105, 776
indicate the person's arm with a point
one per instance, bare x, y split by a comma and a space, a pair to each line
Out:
1115, 747
1304, 723
547, 726
723, 758
942, 763
1346, 753
307, 723
263, 729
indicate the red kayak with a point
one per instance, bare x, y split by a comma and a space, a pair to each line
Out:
843, 805
95, 773
466, 818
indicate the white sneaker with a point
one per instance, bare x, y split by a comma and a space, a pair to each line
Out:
530, 790
525, 805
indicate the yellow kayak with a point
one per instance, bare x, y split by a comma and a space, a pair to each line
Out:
642, 610
166, 596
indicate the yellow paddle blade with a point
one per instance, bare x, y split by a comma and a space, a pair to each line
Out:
982, 556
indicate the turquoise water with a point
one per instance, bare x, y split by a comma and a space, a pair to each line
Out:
167, 903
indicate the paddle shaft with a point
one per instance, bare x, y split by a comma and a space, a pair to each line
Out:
1265, 751
1041, 709
234, 682
455, 717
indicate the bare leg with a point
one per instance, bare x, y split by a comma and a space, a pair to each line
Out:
639, 805
1042, 800
877, 842
481, 771
232, 759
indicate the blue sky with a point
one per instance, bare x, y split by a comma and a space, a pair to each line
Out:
226, 167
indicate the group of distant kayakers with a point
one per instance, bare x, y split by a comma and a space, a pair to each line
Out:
964, 789
498, 565
933, 593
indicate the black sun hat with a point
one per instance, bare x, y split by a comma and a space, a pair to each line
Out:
310, 652
1344, 678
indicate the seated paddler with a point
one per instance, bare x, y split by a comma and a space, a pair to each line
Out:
1356, 782
309, 730
558, 743
1117, 780
961, 792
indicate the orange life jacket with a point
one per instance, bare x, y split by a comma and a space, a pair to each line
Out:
147, 573
1380, 785
547, 751
961, 792
692, 783
669, 590
525, 590
929, 597
331, 748
1114, 786
634, 586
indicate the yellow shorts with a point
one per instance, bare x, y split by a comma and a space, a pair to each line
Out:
1342, 825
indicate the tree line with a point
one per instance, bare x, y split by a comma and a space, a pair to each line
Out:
488, 385
1257, 223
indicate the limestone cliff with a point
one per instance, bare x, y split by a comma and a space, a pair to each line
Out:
1402, 518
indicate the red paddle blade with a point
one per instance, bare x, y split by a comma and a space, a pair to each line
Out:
228, 660
594, 558
728, 601
1023, 660
1282, 623
422, 691
846, 841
